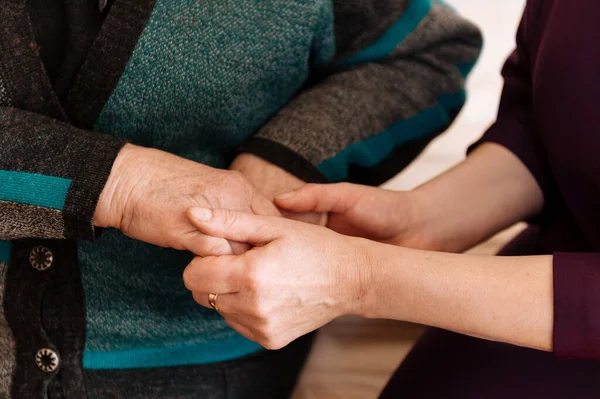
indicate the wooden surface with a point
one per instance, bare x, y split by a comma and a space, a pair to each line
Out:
353, 358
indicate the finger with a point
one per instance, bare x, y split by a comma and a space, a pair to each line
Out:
237, 226
219, 275
262, 206
203, 245
224, 302
239, 248
202, 299
318, 219
319, 198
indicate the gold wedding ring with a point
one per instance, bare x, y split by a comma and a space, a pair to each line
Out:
212, 301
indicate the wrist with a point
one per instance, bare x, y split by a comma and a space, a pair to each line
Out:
257, 168
364, 260
438, 224
241, 161
419, 221
110, 208
391, 283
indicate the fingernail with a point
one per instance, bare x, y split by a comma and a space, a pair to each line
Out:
201, 214
286, 195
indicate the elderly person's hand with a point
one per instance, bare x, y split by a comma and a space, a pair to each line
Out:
266, 294
272, 181
148, 192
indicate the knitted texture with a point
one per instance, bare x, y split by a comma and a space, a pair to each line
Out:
50, 196
3, 93
7, 344
203, 77
358, 116
52, 175
265, 375
34, 189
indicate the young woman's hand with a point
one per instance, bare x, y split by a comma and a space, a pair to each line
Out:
488, 192
295, 279
382, 215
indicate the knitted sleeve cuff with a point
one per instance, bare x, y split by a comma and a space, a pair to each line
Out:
284, 158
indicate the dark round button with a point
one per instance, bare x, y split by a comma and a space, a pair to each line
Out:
47, 360
41, 258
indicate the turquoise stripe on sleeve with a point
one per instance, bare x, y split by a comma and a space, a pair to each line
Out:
412, 17
4, 251
370, 152
465, 68
179, 355
33, 189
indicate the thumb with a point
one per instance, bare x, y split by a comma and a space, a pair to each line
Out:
236, 226
319, 198
318, 219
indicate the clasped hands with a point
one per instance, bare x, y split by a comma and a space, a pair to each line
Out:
277, 278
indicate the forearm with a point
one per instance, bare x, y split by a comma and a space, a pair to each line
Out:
489, 191
506, 299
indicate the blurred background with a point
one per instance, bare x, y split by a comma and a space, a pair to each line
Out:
354, 358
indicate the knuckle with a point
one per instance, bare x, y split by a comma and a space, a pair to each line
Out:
262, 342
197, 261
264, 231
230, 218
273, 344
217, 248
309, 188
252, 281
268, 344
260, 310
266, 325
265, 313
256, 311
210, 246
263, 337
188, 278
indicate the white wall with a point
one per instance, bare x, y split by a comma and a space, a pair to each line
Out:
498, 21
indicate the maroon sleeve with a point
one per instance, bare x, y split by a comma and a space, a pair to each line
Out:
577, 305
514, 127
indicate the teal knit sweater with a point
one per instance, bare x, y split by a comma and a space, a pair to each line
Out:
201, 67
